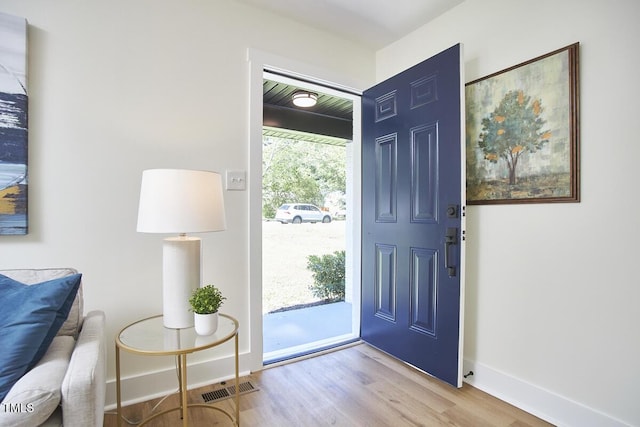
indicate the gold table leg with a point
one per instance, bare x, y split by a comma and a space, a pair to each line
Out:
182, 358
118, 396
237, 385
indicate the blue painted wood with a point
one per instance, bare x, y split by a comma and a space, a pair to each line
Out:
411, 174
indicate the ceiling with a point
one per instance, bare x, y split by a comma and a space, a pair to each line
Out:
374, 23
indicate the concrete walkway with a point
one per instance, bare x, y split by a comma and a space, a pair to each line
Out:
295, 328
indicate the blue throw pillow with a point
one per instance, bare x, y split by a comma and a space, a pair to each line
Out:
30, 318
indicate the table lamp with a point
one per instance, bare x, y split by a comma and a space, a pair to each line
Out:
180, 201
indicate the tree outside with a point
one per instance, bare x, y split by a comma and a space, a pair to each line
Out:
300, 171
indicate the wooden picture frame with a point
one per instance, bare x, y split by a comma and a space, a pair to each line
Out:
522, 142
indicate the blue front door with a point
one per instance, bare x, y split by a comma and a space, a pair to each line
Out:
413, 207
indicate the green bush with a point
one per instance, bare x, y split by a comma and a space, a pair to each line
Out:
328, 276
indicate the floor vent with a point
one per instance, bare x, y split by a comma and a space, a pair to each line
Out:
227, 392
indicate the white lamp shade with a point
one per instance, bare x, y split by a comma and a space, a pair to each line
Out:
180, 201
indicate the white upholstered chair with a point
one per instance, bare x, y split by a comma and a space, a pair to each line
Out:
67, 386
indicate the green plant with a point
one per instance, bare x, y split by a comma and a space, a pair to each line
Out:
328, 275
206, 300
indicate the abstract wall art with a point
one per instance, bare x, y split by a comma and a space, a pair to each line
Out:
13, 125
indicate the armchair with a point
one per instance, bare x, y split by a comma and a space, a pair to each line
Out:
67, 386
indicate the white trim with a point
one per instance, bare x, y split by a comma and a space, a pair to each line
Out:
259, 61
354, 217
531, 398
151, 385
463, 218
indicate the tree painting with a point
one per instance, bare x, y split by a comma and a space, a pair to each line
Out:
522, 132
512, 130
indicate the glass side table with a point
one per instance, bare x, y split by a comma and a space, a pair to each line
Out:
149, 337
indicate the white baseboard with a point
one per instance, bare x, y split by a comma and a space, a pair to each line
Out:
535, 400
150, 385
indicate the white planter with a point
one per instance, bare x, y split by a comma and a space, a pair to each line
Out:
206, 324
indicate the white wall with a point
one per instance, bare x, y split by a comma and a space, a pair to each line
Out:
552, 291
116, 87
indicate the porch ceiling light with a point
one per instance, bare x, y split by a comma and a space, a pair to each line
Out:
305, 99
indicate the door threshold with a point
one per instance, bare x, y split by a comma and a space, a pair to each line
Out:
271, 360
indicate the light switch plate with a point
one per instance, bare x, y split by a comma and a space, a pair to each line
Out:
236, 180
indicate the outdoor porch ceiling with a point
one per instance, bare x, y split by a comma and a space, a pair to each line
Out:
330, 121
268, 131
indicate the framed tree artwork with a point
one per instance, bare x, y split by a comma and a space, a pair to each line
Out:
522, 132
13, 125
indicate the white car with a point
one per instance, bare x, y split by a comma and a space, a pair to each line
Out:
297, 213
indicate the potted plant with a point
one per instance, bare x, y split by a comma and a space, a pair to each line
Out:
205, 302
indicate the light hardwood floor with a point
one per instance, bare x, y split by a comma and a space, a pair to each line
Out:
355, 386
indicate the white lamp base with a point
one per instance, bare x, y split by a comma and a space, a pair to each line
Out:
180, 276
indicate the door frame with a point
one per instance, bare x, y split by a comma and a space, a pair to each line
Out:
260, 61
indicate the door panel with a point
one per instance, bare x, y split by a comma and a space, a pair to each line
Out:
423, 291
386, 178
412, 174
424, 179
386, 284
